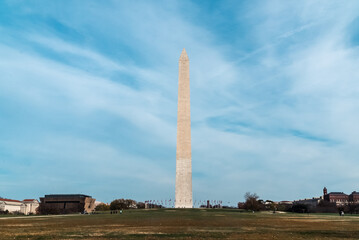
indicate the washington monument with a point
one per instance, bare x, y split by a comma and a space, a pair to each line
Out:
183, 153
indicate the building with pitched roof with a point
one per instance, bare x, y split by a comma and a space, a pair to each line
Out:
10, 205
354, 197
339, 198
27, 206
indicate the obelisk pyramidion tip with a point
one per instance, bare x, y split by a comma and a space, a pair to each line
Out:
184, 56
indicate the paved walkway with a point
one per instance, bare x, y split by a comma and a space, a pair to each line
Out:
40, 216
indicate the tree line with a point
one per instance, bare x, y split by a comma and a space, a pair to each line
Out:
253, 203
121, 204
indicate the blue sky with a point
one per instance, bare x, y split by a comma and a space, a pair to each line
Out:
88, 97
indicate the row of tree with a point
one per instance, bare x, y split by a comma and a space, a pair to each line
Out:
120, 204
253, 203
327, 207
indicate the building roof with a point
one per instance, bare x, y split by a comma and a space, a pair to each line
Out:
29, 200
309, 199
9, 200
66, 196
337, 193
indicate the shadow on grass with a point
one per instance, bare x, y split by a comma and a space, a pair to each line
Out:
329, 234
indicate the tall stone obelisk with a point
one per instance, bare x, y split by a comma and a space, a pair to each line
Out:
183, 153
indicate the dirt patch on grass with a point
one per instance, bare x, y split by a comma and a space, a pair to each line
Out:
184, 224
18, 225
249, 228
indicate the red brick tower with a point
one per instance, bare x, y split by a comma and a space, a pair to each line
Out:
325, 192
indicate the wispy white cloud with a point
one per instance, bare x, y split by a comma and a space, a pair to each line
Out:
106, 103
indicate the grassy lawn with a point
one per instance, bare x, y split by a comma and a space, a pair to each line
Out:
182, 224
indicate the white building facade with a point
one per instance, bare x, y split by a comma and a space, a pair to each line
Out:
10, 205
27, 206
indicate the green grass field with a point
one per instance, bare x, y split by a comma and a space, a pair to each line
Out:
182, 224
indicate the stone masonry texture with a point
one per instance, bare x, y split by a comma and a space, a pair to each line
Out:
183, 153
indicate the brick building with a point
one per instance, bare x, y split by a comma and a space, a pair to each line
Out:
354, 197
339, 198
66, 203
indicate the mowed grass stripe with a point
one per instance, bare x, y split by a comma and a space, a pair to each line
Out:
182, 224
